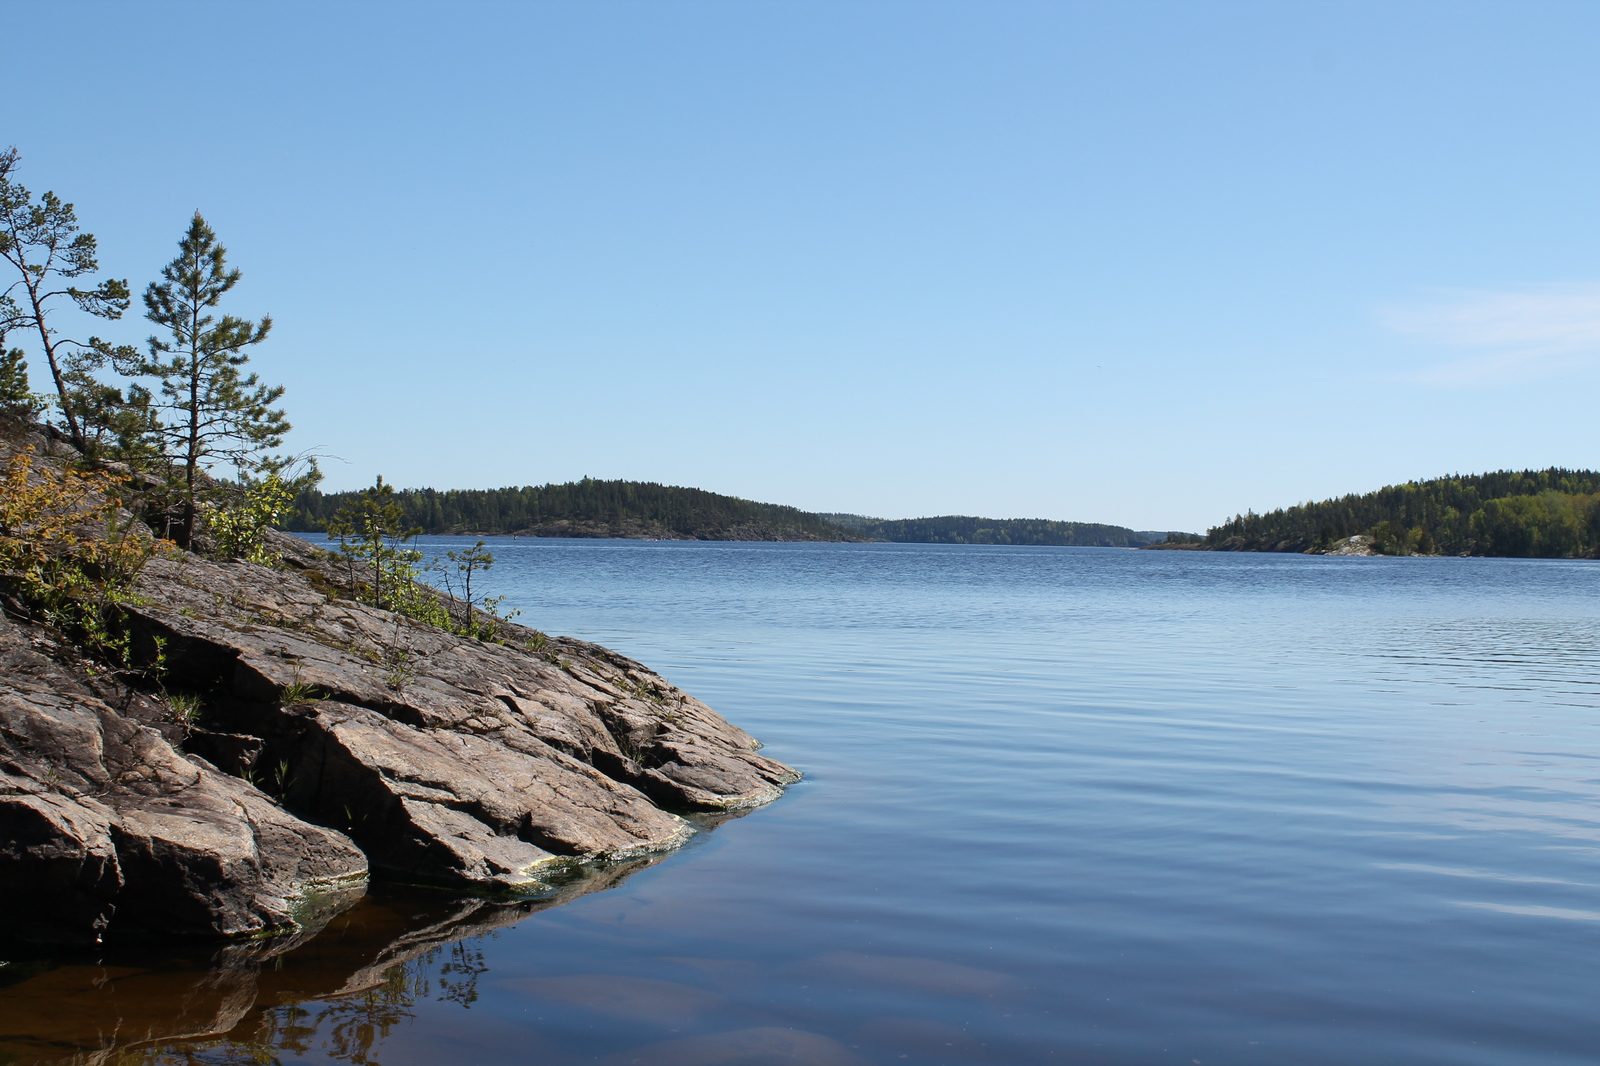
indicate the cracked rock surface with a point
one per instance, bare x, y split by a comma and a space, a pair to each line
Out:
272, 741
105, 827
449, 760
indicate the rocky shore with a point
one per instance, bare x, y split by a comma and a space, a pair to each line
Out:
281, 743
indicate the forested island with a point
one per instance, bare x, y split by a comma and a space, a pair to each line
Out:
586, 508
965, 529
643, 509
1550, 514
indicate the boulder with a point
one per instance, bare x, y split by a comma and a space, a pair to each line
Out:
107, 830
482, 764
269, 737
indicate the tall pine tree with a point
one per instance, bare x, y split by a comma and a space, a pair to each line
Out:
210, 410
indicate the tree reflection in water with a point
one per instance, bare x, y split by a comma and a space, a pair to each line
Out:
350, 1027
337, 992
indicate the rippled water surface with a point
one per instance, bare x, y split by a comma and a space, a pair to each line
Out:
1061, 805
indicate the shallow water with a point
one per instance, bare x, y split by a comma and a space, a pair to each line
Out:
1061, 805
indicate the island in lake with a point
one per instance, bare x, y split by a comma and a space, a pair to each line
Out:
1546, 514
644, 509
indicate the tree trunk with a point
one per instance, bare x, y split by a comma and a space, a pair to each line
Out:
73, 429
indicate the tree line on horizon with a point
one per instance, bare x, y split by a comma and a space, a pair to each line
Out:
586, 508
1551, 514
595, 508
968, 529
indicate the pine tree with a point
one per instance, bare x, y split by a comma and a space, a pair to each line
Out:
209, 409
373, 537
16, 398
42, 242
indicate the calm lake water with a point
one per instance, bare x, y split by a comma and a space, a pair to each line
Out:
1060, 805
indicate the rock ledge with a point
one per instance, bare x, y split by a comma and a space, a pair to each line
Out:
331, 738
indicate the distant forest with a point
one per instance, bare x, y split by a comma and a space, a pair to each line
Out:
1552, 514
963, 529
587, 508
638, 509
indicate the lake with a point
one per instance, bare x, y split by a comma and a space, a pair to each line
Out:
1065, 805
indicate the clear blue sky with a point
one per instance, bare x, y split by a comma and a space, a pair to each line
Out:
1143, 263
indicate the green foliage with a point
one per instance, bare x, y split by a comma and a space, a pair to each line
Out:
965, 529
207, 408
185, 707
67, 553
1543, 513
1393, 538
116, 424
1551, 525
591, 508
239, 526
415, 600
372, 537
16, 399
298, 691
41, 241
401, 671
457, 574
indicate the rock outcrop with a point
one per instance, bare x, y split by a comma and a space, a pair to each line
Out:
449, 760
278, 738
103, 824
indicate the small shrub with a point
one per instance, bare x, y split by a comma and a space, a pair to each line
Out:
373, 539
401, 673
185, 708
239, 527
67, 552
297, 691
458, 575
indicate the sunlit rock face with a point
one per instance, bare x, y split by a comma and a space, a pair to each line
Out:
105, 827
488, 765
272, 738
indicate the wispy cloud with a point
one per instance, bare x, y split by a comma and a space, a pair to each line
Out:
1514, 335
1535, 912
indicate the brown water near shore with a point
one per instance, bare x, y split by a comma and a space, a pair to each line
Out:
346, 975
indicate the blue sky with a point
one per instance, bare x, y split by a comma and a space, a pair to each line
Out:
1143, 263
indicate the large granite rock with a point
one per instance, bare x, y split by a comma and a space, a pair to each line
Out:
272, 737
449, 760
106, 829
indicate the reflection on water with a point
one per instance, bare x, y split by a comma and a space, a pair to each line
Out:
338, 989
1086, 806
